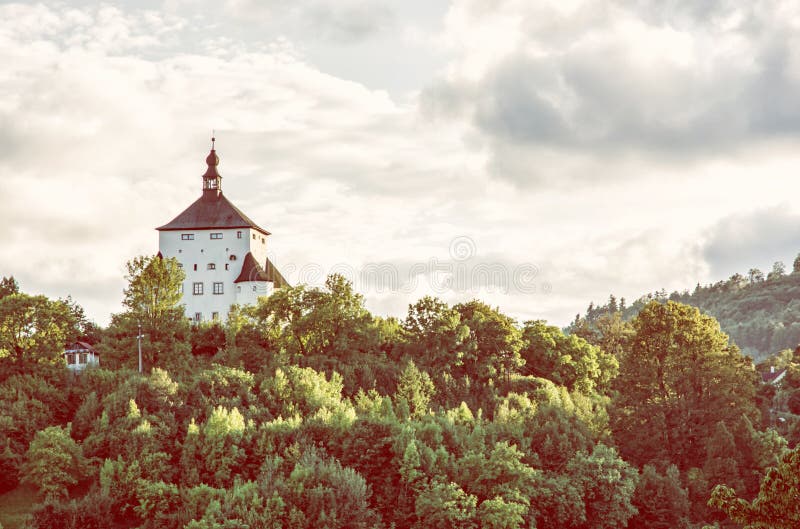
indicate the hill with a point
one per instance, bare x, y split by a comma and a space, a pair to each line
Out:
760, 313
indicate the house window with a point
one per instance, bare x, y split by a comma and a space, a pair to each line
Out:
212, 266
216, 235
218, 288
226, 266
84, 358
197, 289
238, 235
71, 358
215, 316
198, 316
187, 236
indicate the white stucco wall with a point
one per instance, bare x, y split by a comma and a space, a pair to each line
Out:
248, 292
203, 250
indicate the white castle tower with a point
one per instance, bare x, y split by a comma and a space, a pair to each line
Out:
222, 251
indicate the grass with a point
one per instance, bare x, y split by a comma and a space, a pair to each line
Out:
16, 505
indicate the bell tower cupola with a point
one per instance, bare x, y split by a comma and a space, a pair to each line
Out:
212, 181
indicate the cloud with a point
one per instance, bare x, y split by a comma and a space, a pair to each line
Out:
752, 239
676, 81
104, 139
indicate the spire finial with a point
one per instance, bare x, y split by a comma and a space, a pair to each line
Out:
213, 139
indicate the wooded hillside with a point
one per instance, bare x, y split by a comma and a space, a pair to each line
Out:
306, 411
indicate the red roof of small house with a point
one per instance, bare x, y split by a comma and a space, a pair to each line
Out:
252, 271
772, 376
81, 346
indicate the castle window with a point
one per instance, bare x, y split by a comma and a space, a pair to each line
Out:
197, 289
226, 266
238, 288
254, 236
218, 288
195, 268
215, 316
263, 240
216, 235
198, 316
187, 236
238, 235
254, 288
232, 257
180, 265
211, 266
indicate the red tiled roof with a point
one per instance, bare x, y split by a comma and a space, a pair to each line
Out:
252, 271
211, 211
83, 345
770, 376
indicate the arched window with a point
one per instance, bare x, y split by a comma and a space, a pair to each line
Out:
232, 257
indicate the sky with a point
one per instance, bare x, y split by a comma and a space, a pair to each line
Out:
534, 155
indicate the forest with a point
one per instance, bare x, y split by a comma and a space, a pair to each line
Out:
306, 411
761, 313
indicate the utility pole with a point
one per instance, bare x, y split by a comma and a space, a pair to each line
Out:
139, 339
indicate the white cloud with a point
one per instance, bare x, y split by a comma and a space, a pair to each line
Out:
600, 142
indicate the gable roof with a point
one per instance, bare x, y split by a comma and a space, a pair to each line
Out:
80, 346
275, 276
252, 271
773, 377
211, 211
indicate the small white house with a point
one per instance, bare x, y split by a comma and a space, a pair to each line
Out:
221, 250
78, 355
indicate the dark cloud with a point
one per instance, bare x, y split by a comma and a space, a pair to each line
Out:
612, 98
755, 239
349, 22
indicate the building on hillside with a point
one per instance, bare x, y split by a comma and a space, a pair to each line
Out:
78, 355
773, 376
222, 251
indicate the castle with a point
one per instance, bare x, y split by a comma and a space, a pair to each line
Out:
222, 251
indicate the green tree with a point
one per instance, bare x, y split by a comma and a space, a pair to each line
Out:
33, 332
327, 329
416, 388
497, 513
490, 352
445, 506
606, 484
153, 294
775, 507
570, 360
721, 466
152, 300
796, 265
660, 500
54, 463
678, 378
778, 271
8, 286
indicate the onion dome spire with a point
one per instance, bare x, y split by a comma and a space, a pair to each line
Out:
212, 180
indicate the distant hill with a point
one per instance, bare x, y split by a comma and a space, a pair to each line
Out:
760, 313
